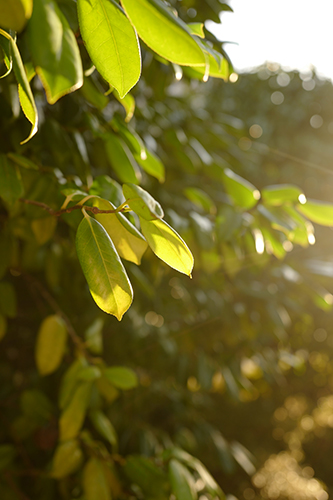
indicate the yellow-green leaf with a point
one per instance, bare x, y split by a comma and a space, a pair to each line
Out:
151, 164
318, 211
73, 416
166, 244
280, 193
95, 484
242, 192
121, 159
67, 459
106, 276
141, 202
69, 382
128, 103
105, 428
121, 377
15, 14
51, 344
182, 482
129, 242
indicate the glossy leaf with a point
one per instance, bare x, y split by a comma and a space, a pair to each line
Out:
95, 485
51, 344
318, 212
11, 187
103, 269
104, 427
278, 194
163, 32
129, 242
142, 203
107, 188
241, 191
26, 98
121, 377
111, 42
182, 482
15, 14
121, 159
168, 245
67, 459
54, 50
72, 418
152, 165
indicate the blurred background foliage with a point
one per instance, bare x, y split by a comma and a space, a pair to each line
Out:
234, 366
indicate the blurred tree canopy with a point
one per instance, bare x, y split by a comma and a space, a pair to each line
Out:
116, 155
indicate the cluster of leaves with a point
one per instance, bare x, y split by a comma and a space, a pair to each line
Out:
77, 422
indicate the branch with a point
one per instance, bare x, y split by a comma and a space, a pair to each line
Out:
57, 213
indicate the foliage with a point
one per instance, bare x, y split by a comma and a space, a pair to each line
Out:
93, 408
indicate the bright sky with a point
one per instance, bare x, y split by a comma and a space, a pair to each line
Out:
294, 33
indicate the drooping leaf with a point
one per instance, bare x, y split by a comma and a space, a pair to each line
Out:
121, 377
15, 14
121, 159
182, 482
11, 187
200, 198
26, 98
8, 302
54, 50
317, 211
70, 382
163, 32
242, 192
142, 203
128, 103
151, 164
93, 94
89, 373
168, 245
111, 42
129, 242
104, 427
67, 459
72, 418
107, 279
51, 344
278, 194
95, 485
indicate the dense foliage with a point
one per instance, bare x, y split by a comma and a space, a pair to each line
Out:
224, 369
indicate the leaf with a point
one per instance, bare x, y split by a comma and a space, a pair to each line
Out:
107, 279
22, 161
242, 192
93, 95
121, 377
152, 480
121, 159
152, 165
111, 42
200, 198
278, 194
196, 29
8, 303
317, 211
142, 203
67, 459
51, 344
7, 57
129, 242
69, 382
93, 336
26, 98
167, 245
73, 416
163, 32
15, 14
11, 187
44, 228
182, 482
128, 103
107, 188
95, 484
89, 373
105, 428
54, 50
3, 326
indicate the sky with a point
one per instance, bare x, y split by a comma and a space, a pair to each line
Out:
297, 34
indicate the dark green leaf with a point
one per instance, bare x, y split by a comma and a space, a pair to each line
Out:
11, 187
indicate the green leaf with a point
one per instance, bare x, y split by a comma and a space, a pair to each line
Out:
11, 187
26, 98
152, 480
93, 95
105, 428
279, 194
7, 57
128, 103
3, 326
93, 336
121, 377
51, 344
22, 161
142, 203
168, 245
54, 50
200, 198
107, 188
89, 373
95, 484
8, 304
182, 482
163, 32
73, 416
70, 381
67, 459
317, 211
151, 164
242, 192
44, 228
111, 42
107, 279
129, 242
15, 14
121, 159
196, 29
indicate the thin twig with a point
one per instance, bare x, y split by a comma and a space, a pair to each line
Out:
57, 213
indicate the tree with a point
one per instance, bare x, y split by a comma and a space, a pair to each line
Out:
94, 408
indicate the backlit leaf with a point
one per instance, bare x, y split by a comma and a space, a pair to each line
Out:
121, 159
69, 382
128, 103
129, 242
317, 211
15, 14
151, 164
121, 377
73, 416
280, 193
168, 245
95, 484
51, 344
107, 279
11, 187
242, 192
67, 459
142, 203
163, 32
182, 482
111, 42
